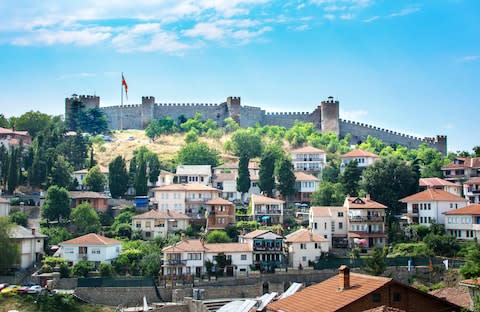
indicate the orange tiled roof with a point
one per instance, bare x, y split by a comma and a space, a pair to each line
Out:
471, 282
91, 239
304, 236
432, 194
467, 163
228, 247
155, 214
363, 202
475, 180
259, 199
196, 245
185, 245
12, 131
327, 296
307, 149
384, 308
222, 177
359, 153
321, 211
255, 233
435, 182
302, 176
87, 194
185, 187
219, 201
468, 210
456, 295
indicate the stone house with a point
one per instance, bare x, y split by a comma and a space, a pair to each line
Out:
91, 247
156, 223
305, 247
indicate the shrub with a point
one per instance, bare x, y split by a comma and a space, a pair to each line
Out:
82, 268
106, 270
64, 270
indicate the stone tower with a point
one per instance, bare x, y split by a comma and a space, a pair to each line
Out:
233, 106
87, 101
147, 110
330, 116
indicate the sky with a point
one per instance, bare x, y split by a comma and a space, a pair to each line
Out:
408, 66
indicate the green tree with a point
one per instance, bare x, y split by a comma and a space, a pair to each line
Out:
243, 178
299, 133
4, 121
82, 268
9, 248
106, 270
217, 236
197, 153
95, 180
476, 150
37, 173
117, 177
57, 204
471, 268
56, 235
61, 173
132, 171
191, 136
13, 172
351, 177
230, 124
85, 218
266, 174
151, 264
375, 263
431, 161
19, 218
141, 187
331, 173
286, 177
442, 245
154, 168
245, 142
328, 194
93, 121
33, 122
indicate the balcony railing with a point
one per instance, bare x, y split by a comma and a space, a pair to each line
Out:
268, 212
366, 219
176, 262
266, 248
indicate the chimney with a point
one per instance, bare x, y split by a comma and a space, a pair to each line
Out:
183, 237
343, 277
33, 231
367, 196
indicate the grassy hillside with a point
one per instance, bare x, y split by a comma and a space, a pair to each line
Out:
26, 303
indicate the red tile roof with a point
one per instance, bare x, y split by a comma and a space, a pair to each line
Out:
432, 194
219, 201
11, 131
327, 296
255, 233
155, 214
185, 245
435, 182
302, 176
307, 149
467, 163
320, 211
473, 209
259, 199
359, 153
91, 239
475, 180
456, 295
475, 282
363, 203
86, 194
384, 308
304, 236
197, 246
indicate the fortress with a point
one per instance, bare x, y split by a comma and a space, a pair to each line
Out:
325, 118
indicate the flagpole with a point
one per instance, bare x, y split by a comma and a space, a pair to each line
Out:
121, 105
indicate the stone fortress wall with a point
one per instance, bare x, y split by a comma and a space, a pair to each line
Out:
325, 118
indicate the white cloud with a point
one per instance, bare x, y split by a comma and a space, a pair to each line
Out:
348, 16
329, 17
405, 12
84, 37
353, 115
471, 58
302, 27
371, 19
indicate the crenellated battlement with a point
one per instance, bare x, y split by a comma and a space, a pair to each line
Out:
288, 113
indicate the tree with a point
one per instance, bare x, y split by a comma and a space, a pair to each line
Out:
299, 133
33, 122
95, 180
19, 218
351, 178
375, 263
197, 153
442, 245
328, 194
141, 187
82, 268
13, 170
106, 270
266, 175
161, 126
153, 168
245, 142
151, 264
476, 150
243, 178
117, 177
230, 124
57, 204
92, 120
4, 121
61, 173
286, 177
471, 268
9, 248
217, 236
85, 218
56, 235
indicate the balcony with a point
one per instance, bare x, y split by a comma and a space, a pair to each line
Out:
176, 262
268, 212
476, 227
266, 248
366, 219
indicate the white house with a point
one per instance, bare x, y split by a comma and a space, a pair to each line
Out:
81, 174
225, 179
201, 174
164, 178
91, 247
464, 223
305, 185
308, 158
330, 223
304, 246
267, 248
267, 210
30, 244
156, 223
363, 158
440, 184
4, 207
471, 189
430, 205
188, 257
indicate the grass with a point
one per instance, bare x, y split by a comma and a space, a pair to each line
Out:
26, 303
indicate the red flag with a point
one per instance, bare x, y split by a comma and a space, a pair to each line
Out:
124, 84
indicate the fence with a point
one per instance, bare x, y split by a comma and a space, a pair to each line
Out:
334, 263
115, 282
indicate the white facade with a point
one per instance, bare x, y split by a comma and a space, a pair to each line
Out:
90, 247
267, 210
30, 245
304, 246
201, 174
308, 159
159, 224
363, 158
330, 223
4, 207
471, 189
465, 227
432, 211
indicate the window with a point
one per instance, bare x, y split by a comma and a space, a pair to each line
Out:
316, 245
429, 206
82, 250
340, 214
376, 297
138, 225
304, 258
325, 225
147, 224
340, 225
148, 234
396, 296
243, 257
315, 225
194, 256
303, 246
95, 251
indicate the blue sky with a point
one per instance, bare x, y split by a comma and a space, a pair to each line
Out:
411, 66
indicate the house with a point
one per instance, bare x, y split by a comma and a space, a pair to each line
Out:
305, 247
189, 199
363, 158
456, 295
225, 179
473, 287
98, 201
462, 169
91, 247
164, 178
347, 292
81, 174
220, 213
430, 205
366, 222
309, 158
4, 207
471, 190
267, 210
12, 137
189, 257
464, 223
156, 223
440, 184
267, 249
330, 223
201, 174
30, 244
305, 185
